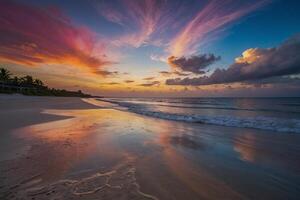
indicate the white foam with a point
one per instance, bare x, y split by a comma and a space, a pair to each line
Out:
262, 122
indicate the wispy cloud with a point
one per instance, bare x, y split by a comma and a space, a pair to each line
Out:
129, 81
33, 36
149, 78
213, 16
142, 19
171, 73
153, 83
107, 73
112, 83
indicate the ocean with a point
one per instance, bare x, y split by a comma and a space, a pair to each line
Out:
273, 114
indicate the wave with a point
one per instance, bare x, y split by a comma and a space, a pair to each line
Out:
200, 106
261, 122
226, 108
264, 123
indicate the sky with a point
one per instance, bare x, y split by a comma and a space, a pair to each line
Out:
145, 48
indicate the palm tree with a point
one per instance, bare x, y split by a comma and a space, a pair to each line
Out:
4, 75
38, 82
27, 80
15, 81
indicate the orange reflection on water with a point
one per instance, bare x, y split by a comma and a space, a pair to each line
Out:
194, 176
79, 125
267, 149
60, 146
245, 145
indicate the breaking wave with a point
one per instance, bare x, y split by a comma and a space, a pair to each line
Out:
259, 122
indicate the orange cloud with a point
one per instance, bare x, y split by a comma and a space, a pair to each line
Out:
32, 36
251, 55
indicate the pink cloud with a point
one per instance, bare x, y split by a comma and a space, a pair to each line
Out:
33, 36
180, 26
213, 16
142, 20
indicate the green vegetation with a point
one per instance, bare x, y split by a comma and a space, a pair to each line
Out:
27, 85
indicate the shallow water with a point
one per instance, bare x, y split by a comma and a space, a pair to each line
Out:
111, 154
275, 114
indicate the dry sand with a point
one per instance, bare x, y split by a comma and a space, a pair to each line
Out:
67, 148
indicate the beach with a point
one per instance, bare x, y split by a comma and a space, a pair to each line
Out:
73, 148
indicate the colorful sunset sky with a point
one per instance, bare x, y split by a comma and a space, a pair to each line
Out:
192, 48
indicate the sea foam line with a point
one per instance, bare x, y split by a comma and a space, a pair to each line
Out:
261, 122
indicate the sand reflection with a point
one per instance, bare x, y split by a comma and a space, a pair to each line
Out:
85, 156
72, 145
264, 150
245, 145
188, 179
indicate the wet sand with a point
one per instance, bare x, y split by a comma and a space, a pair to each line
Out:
67, 148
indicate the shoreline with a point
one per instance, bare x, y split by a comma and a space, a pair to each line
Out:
82, 151
265, 123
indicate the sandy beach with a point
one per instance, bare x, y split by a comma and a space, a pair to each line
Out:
73, 148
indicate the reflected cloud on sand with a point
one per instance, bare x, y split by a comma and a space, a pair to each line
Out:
245, 146
263, 149
186, 142
180, 158
62, 145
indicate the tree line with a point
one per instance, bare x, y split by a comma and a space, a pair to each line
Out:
28, 85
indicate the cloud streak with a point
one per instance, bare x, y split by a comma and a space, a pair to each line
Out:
107, 73
170, 73
144, 21
254, 64
32, 36
112, 83
153, 83
210, 19
129, 81
149, 78
140, 16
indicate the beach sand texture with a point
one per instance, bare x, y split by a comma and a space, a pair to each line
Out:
69, 148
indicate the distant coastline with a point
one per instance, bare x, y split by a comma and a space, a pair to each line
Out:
27, 85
